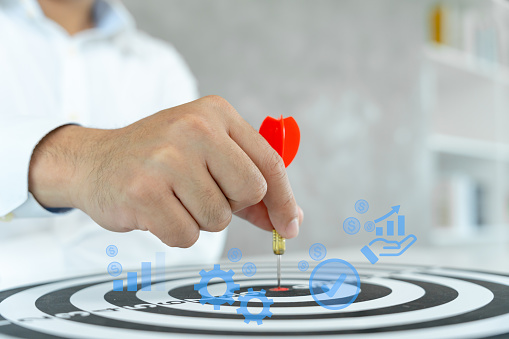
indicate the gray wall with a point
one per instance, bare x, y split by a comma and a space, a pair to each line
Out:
348, 71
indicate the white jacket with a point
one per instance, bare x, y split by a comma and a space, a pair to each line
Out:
107, 77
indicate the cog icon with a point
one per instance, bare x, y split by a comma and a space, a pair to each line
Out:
206, 297
265, 313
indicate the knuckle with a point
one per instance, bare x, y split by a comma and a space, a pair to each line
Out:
275, 165
163, 159
219, 104
162, 233
288, 202
216, 216
257, 190
216, 100
179, 235
220, 222
196, 125
190, 239
139, 189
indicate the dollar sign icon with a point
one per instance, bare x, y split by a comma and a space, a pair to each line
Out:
234, 254
114, 269
351, 225
249, 269
111, 250
303, 265
317, 251
361, 206
369, 226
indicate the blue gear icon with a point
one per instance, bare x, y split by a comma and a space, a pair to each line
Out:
206, 297
265, 313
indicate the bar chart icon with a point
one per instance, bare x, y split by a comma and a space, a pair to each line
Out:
146, 276
390, 227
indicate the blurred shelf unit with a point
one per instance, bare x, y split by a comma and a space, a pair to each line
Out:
465, 96
468, 147
462, 61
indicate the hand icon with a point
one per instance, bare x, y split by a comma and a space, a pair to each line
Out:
389, 248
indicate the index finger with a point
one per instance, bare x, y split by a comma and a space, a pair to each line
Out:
279, 200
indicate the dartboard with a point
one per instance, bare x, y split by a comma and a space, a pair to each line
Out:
393, 301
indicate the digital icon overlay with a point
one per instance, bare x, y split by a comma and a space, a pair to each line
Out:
317, 251
351, 225
234, 254
391, 240
303, 265
334, 284
217, 301
227, 297
265, 313
111, 250
369, 226
361, 206
390, 248
115, 269
249, 269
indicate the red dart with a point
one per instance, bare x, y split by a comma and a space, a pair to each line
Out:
283, 135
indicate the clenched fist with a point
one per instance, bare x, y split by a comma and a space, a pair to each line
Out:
174, 173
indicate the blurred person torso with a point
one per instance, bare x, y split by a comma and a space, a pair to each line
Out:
105, 77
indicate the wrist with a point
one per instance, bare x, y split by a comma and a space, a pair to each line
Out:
57, 166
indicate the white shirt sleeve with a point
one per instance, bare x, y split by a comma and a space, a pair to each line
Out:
182, 86
18, 137
176, 79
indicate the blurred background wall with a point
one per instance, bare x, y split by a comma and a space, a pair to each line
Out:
357, 77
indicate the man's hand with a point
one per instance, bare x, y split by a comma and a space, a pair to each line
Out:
174, 173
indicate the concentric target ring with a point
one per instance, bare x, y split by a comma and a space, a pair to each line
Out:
394, 301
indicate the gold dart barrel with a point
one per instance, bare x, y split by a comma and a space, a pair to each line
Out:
278, 243
278, 246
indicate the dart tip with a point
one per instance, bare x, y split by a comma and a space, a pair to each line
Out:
280, 289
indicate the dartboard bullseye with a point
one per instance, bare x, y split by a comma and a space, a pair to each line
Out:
394, 301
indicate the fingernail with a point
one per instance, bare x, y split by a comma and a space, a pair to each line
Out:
292, 230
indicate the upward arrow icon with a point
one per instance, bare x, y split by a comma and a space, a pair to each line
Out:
395, 209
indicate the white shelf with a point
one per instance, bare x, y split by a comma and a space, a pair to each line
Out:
468, 96
466, 99
484, 234
454, 58
485, 150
